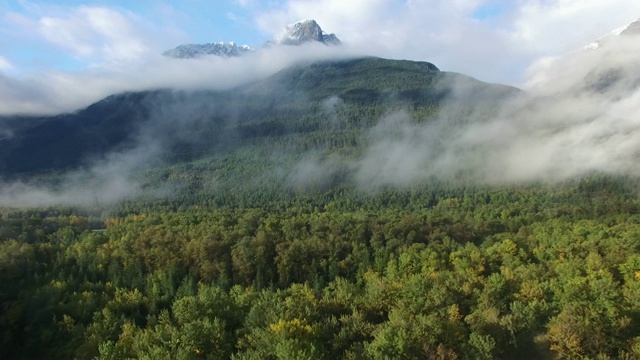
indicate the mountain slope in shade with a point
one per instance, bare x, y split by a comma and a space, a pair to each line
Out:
289, 103
225, 49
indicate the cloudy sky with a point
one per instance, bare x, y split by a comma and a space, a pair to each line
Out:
60, 55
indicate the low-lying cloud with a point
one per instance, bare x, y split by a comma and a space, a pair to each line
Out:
106, 181
57, 91
579, 116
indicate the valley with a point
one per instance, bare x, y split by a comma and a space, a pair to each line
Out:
352, 208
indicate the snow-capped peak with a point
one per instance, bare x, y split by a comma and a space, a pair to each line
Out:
294, 34
629, 29
220, 48
305, 31
632, 29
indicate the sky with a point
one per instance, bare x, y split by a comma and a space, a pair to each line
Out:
60, 55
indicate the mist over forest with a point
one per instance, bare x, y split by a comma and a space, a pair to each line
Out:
313, 202
576, 118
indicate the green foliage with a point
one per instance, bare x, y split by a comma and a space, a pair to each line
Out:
471, 273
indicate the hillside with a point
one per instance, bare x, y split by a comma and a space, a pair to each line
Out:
335, 210
322, 109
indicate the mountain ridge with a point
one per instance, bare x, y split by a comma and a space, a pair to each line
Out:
305, 31
220, 48
285, 103
631, 29
298, 33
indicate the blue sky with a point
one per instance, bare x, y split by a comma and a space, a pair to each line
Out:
489, 11
57, 46
185, 21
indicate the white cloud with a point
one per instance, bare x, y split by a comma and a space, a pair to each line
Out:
553, 27
106, 182
5, 64
446, 33
58, 91
95, 33
580, 117
122, 48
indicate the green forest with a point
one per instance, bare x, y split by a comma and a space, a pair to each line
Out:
226, 255
474, 273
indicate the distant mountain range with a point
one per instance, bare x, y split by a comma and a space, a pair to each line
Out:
226, 49
295, 34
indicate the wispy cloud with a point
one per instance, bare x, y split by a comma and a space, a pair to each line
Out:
107, 181
5, 64
580, 117
96, 34
58, 91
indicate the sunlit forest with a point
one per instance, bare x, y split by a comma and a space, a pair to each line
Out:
472, 273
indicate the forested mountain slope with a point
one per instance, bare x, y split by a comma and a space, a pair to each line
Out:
291, 102
336, 210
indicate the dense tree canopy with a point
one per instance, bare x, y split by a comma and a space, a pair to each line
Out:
528, 272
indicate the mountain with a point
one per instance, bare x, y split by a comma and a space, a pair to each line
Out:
324, 106
41, 144
632, 29
226, 49
305, 31
294, 34
611, 62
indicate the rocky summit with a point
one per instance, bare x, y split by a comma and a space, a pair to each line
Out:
225, 49
295, 34
303, 32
